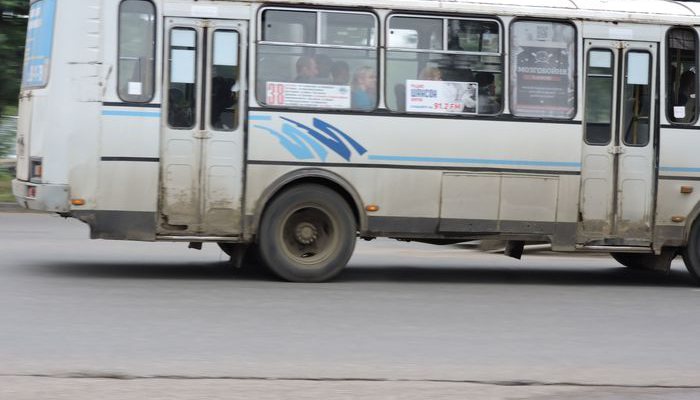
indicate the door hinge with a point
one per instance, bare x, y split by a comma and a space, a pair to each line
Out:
616, 150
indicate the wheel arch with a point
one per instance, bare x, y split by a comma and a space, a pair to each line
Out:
311, 175
693, 217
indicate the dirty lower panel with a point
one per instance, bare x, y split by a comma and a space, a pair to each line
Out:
667, 235
119, 225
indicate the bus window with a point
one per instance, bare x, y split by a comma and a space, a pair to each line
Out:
637, 100
426, 33
543, 69
136, 69
474, 36
444, 65
681, 77
224, 81
599, 96
289, 26
182, 96
317, 59
344, 29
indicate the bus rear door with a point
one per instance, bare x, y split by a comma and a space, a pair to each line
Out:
619, 158
202, 140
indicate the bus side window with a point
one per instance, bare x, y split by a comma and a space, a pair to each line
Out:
182, 95
136, 66
681, 76
444, 65
317, 59
225, 81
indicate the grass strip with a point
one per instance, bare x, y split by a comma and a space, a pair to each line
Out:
6, 187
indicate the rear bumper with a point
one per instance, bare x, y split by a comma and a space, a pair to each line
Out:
45, 197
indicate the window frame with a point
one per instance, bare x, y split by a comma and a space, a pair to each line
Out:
613, 106
667, 50
154, 52
623, 92
377, 48
445, 39
445, 34
318, 12
210, 64
575, 75
196, 122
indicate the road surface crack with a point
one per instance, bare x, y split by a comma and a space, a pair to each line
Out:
128, 377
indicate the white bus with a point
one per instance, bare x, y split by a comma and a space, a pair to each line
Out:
288, 129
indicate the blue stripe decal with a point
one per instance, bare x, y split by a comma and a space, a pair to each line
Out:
115, 113
477, 161
259, 118
679, 169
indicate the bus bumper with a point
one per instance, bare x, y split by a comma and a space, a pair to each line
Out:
42, 196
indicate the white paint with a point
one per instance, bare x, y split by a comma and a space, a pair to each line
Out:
205, 11
621, 33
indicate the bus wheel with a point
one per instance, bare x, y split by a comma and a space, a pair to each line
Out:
307, 234
648, 262
691, 253
248, 259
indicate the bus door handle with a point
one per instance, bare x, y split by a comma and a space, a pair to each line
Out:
198, 134
616, 150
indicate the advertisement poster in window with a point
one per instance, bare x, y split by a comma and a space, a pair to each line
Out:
37, 53
442, 97
543, 58
307, 95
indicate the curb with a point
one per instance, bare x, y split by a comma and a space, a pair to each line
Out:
13, 208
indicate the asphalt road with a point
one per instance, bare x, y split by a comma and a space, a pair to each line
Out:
121, 320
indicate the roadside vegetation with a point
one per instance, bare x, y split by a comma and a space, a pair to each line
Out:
5, 186
13, 23
7, 150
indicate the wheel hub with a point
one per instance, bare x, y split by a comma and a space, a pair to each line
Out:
306, 233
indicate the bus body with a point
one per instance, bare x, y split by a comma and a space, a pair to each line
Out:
293, 127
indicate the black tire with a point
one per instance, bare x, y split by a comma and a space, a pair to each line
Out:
228, 248
634, 261
648, 262
307, 234
691, 252
251, 258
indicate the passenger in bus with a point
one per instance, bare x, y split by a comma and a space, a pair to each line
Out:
364, 89
180, 114
686, 95
487, 91
323, 64
430, 74
222, 100
340, 73
307, 70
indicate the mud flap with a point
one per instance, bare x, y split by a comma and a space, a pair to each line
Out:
514, 249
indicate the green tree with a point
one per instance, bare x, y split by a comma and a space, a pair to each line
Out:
13, 25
